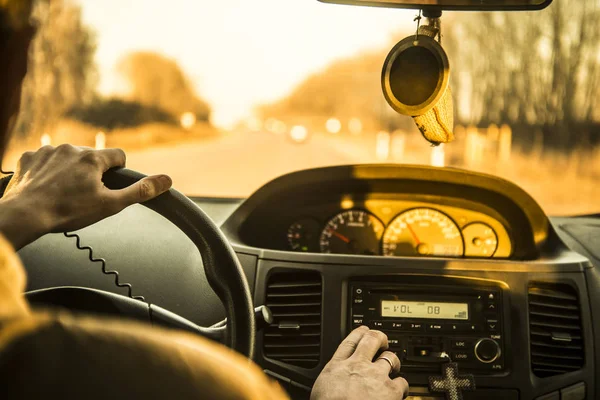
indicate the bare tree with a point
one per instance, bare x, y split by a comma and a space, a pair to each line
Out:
158, 81
61, 70
538, 68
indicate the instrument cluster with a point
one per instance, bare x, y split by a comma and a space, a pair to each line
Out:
420, 231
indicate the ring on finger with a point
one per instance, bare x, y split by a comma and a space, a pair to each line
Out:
388, 360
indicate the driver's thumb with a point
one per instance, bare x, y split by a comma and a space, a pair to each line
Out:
145, 189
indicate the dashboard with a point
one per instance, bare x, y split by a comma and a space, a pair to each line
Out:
393, 227
390, 217
521, 317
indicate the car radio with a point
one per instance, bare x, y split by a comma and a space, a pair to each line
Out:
423, 322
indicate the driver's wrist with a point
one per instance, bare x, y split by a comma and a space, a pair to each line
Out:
21, 221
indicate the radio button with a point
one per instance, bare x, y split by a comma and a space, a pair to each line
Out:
357, 321
462, 328
376, 324
460, 344
487, 350
397, 325
358, 300
436, 327
422, 351
460, 356
414, 327
387, 325
493, 325
393, 342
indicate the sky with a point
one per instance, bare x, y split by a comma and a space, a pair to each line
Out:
238, 53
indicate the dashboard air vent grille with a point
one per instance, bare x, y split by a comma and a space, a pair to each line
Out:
294, 297
555, 325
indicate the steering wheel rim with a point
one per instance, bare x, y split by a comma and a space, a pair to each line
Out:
221, 265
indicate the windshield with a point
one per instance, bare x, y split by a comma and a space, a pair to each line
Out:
227, 95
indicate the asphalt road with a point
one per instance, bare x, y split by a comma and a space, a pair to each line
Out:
235, 164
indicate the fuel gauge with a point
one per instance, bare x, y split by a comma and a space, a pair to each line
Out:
303, 235
480, 240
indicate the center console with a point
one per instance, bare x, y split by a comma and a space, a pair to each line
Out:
425, 322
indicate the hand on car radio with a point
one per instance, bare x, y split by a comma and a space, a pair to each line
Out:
352, 373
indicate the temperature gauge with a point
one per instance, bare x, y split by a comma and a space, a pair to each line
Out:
303, 235
480, 240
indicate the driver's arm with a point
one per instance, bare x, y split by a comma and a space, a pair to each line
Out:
58, 355
60, 189
53, 354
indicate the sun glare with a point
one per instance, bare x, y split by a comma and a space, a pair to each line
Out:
238, 53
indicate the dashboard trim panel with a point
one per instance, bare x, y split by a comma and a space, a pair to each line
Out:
336, 279
529, 226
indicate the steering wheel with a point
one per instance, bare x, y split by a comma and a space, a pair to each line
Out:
221, 265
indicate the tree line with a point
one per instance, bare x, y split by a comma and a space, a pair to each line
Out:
536, 71
62, 79
531, 69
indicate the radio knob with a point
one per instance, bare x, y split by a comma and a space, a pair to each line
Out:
487, 350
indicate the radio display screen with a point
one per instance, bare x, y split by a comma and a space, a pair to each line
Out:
424, 309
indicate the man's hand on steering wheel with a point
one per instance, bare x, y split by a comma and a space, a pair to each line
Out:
60, 189
353, 375
67, 188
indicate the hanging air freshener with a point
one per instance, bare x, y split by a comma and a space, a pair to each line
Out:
415, 82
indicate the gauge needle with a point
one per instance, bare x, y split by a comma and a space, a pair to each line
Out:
342, 237
414, 235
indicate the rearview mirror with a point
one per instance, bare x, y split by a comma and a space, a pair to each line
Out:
480, 5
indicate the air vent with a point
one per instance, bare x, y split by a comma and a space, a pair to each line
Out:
294, 297
555, 324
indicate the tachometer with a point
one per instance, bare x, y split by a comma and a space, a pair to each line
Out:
352, 232
422, 232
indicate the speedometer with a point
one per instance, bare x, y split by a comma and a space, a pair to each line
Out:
422, 232
352, 232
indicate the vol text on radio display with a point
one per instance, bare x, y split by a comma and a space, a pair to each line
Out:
424, 309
